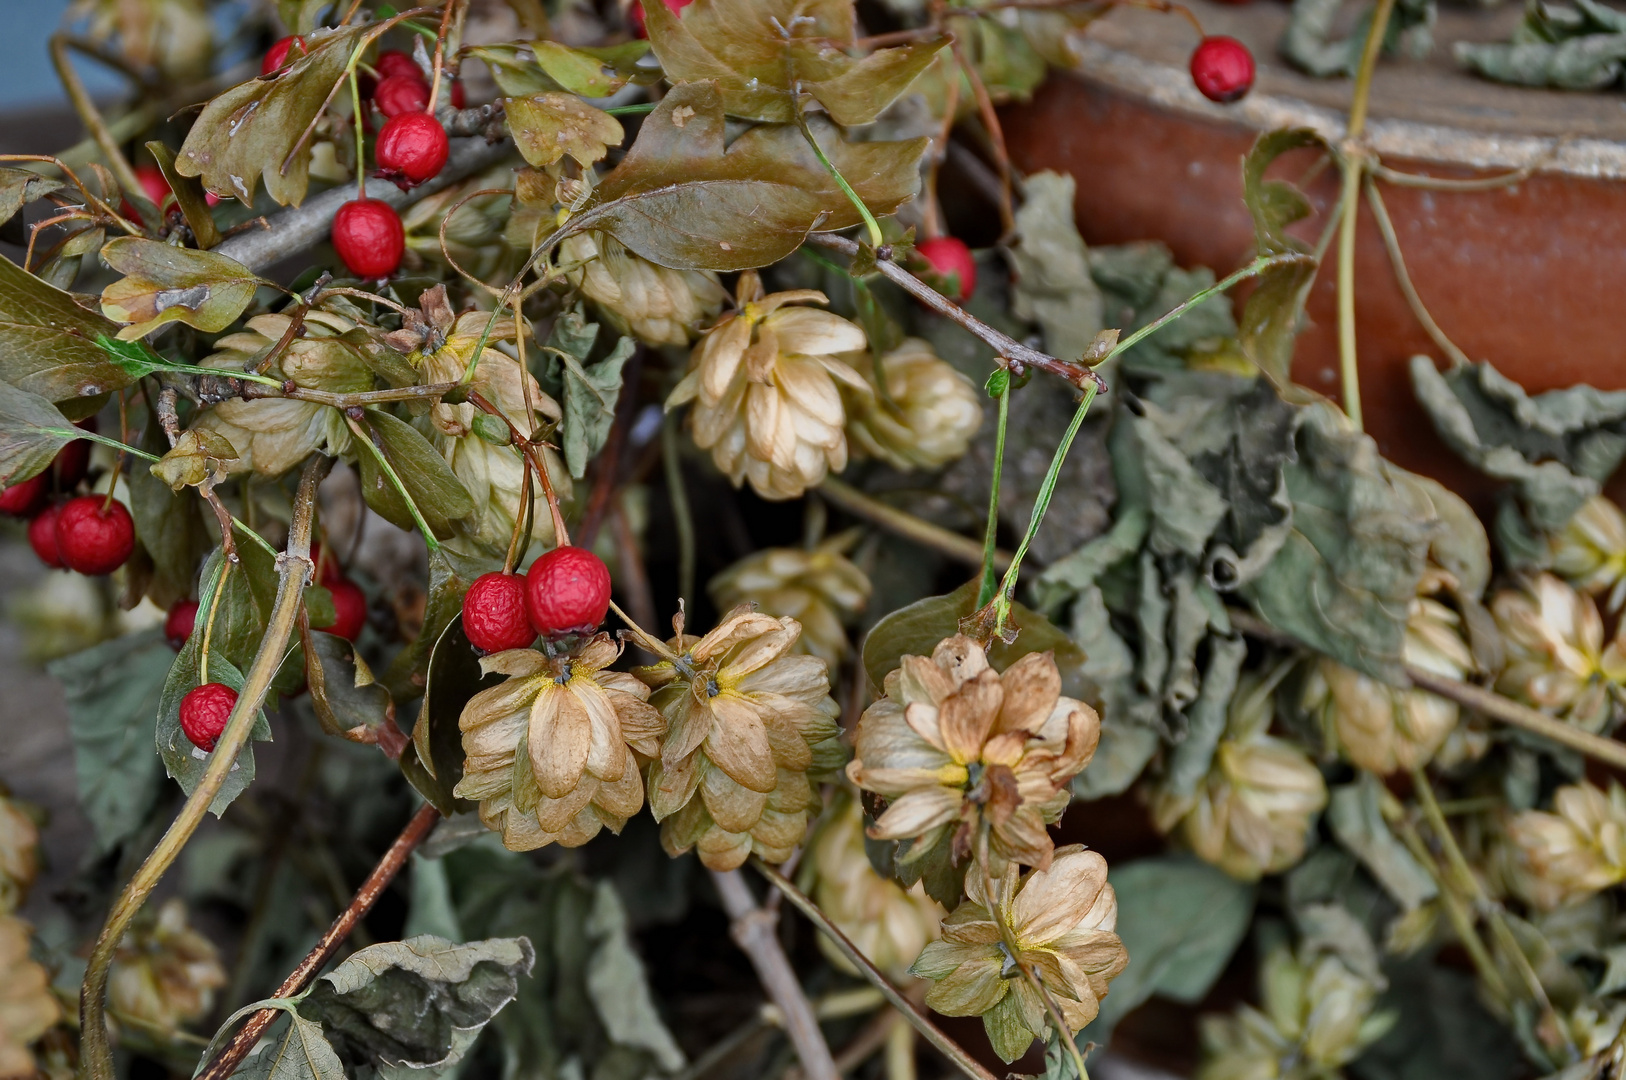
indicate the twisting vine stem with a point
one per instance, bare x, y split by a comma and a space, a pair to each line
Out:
1000, 384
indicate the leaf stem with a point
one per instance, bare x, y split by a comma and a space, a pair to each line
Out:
874, 227
217, 590
961, 549
1386, 226
361, 139
990, 537
293, 568
109, 441
395, 479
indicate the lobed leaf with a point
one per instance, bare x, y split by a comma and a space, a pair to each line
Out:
19, 187
532, 67
48, 342
163, 283
439, 495
548, 126
32, 430
591, 390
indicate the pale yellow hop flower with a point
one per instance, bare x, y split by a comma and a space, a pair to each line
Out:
888, 923
1385, 728
821, 589
1062, 921
1591, 551
764, 386
655, 304
955, 745
550, 752
1252, 813
927, 415
19, 853
747, 718
1317, 1017
165, 973
1576, 850
27, 1008
1558, 659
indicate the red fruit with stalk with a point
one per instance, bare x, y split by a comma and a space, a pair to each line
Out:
401, 94
393, 63
42, 537
277, 58
950, 260
349, 609
204, 712
178, 624
567, 591
24, 498
94, 535
494, 614
369, 238
1222, 67
412, 148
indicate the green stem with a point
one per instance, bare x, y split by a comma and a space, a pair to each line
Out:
1348, 367
216, 592
96, 1061
874, 227
632, 110
105, 440
389, 470
361, 139
681, 512
989, 577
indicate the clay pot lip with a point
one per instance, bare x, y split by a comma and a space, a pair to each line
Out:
1169, 87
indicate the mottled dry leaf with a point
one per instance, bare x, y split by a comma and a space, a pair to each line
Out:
164, 284
548, 126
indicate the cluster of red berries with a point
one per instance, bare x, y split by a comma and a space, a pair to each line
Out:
91, 534
566, 591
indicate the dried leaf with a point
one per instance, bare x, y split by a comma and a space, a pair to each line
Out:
591, 390
164, 284
198, 455
346, 699
1355, 816
298, 1051
1053, 285
48, 342
536, 66
547, 126
19, 187
1274, 311
450, 575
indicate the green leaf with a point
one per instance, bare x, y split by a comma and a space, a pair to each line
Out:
450, 575
170, 526
32, 430
531, 67
439, 495
48, 342
299, 1051
250, 131
454, 676
112, 693
1274, 311
19, 187
183, 761
163, 283
763, 53
347, 700
1053, 285
189, 196
547, 126
1356, 817
413, 1005
684, 199
1180, 919
618, 985
590, 390
245, 604
1583, 63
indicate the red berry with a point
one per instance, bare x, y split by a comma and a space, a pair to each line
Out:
494, 614
635, 13
349, 609
411, 148
23, 498
276, 57
951, 260
204, 712
401, 94
42, 537
567, 591
179, 622
153, 183
459, 99
93, 540
71, 464
393, 62
1222, 68
368, 236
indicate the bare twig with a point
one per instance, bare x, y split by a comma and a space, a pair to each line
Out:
91, 117
907, 525
753, 931
361, 399
388, 866
1403, 278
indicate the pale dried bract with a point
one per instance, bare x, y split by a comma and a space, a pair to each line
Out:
925, 418
1591, 551
165, 974
655, 304
1558, 658
1574, 851
819, 588
27, 1008
19, 853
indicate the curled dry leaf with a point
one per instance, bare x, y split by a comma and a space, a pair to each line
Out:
199, 455
163, 283
548, 126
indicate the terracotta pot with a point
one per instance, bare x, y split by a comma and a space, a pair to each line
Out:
1520, 275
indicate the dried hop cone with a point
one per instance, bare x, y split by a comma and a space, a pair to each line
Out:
764, 386
27, 1008
821, 589
747, 719
655, 304
1591, 551
1576, 850
927, 415
1317, 1016
954, 746
1057, 924
1252, 813
888, 923
1385, 728
165, 973
1558, 660
19, 853
550, 752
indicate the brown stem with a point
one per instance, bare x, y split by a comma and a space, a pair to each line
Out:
959, 548
1012, 353
533, 454
900, 1001
91, 117
388, 866
172, 431
996, 136
1392, 242
359, 400
753, 931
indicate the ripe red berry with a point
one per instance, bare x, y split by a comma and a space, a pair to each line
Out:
23, 498
91, 539
204, 712
1222, 68
567, 591
179, 622
411, 148
494, 616
276, 57
951, 260
459, 99
349, 609
635, 14
401, 94
393, 62
42, 537
368, 236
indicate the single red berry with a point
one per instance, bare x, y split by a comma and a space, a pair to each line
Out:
349, 609
1222, 68
951, 260
368, 236
179, 622
567, 591
153, 183
411, 148
276, 57
401, 94
204, 712
42, 537
25, 497
635, 14
393, 62
94, 540
494, 614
